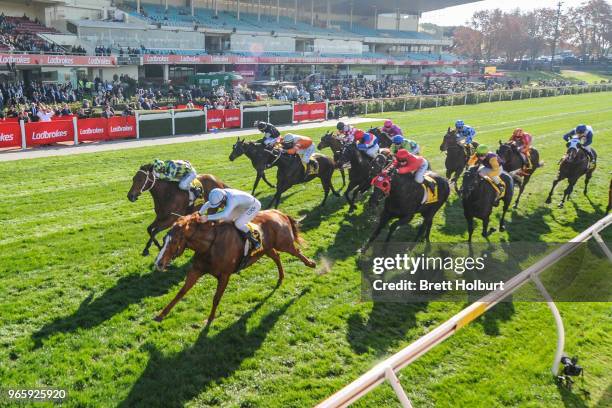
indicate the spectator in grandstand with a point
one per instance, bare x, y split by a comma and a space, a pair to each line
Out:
81, 114
45, 114
108, 112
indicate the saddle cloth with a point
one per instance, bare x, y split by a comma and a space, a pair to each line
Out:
499, 190
258, 235
196, 197
430, 196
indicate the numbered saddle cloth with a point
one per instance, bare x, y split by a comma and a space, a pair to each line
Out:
430, 196
195, 193
257, 233
499, 189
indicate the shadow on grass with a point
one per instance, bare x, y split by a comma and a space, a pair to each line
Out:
128, 290
455, 223
386, 323
572, 399
172, 381
606, 398
311, 218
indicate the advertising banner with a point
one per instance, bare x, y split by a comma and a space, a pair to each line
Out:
214, 119
121, 126
231, 118
301, 112
42, 133
317, 111
58, 60
10, 134
92, 129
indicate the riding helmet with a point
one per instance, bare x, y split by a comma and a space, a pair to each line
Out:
402, 155
216, 197
459, 124
398, 139
340, 126
388, 123
158, 165
288, 139
517, 132
261, 126
482, 149
581, 129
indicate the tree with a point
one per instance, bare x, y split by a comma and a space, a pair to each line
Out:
489, 23
467, 42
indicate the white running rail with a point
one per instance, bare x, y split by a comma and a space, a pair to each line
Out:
387, 369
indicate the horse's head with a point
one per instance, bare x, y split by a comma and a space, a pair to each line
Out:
449, 139
573, 147
347, 153
238, 149
471, 179
505, 151
143, 180
379, 163
326, 140
176, 240
382, 188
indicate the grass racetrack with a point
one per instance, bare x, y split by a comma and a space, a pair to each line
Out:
77, 299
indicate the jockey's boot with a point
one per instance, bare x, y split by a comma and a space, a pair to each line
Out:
196, 191
255, 245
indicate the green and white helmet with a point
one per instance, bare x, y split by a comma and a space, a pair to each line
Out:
158, 165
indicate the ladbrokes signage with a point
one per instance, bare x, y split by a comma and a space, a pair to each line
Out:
42, 133
10, 135
59, 60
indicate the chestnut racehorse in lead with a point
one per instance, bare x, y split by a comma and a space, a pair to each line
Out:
170, 202
219, 250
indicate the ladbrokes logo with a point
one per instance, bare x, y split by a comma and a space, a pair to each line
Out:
91, 131
56, 134
99, 61
61, 60
17, 59
157, 58
232, 118
7, 137
117, 129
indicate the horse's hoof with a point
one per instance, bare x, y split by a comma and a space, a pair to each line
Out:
560, 205
502, 228
548, 201
158, 319
145, 252
311, 264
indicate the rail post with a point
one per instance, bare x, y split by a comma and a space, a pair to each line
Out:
558, 322
173, 124
397, 387
382, 106
76, 131
465, 99
490, 95
420, 102
477, 98
437, 100
404, 109
137, 116
23, 135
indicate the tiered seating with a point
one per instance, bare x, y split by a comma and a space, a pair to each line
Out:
24, 35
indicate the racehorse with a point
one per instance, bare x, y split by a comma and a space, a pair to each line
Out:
513, 164
384, 140
290, 172
573, 165
359, 173
219, 250
336, 145
250, 150
478, 198
456, 156
404, 198
169, 201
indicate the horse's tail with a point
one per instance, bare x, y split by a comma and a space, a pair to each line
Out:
296, 230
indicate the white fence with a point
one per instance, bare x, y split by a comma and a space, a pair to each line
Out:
387, 369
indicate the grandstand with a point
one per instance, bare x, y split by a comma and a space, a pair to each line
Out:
342, 37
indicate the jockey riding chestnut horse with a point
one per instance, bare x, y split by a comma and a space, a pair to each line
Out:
219, 246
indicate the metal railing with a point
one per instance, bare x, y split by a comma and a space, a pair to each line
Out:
387, 369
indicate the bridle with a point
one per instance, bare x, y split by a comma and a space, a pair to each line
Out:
153, 179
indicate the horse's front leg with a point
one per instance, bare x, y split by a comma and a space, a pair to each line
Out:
568, 191
152, 231
265, 179
192, 277
384, 220
221, 285
521, 188
555, 182
257, 178
587, 178
404, 220
486, 231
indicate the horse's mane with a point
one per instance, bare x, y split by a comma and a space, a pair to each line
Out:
146, 167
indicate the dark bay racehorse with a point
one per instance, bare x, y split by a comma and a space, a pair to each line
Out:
456, 156
512, 163
336, 146
478, 198
405, 199
219, 249
574, 165
359, 173
290, 172
384, 140
169, 200
258, 159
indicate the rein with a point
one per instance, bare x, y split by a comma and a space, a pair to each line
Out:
153, 179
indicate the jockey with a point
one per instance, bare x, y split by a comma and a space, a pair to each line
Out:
465, 134
489, 164
301, 145
239, 208
175, 170
369, 145
398, 142
392, 130
271, 134
405, 162
522, 140
585, 134
346, 132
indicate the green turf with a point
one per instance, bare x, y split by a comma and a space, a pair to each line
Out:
77, 299
575, 76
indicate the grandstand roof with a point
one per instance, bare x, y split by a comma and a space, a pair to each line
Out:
365, 7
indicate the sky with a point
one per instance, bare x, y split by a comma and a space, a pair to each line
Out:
458, 15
